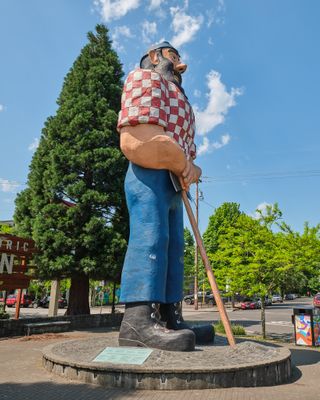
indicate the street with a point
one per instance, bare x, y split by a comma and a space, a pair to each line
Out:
278, 316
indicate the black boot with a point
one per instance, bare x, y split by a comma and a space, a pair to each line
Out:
141, 327
172, 314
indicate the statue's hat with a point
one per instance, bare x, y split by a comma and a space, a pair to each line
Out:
161, 45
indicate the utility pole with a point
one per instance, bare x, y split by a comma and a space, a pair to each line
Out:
196, 266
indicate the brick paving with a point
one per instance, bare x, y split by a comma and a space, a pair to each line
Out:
22, 377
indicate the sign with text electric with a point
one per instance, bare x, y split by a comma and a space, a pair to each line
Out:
15, 253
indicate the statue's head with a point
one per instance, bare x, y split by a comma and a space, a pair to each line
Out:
164, 59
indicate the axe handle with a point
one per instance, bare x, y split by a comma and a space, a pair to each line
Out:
212, 280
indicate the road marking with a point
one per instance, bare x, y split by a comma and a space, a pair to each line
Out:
281, 323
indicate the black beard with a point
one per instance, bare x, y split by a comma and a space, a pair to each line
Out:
165, 69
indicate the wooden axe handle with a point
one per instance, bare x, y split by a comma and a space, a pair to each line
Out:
212, 280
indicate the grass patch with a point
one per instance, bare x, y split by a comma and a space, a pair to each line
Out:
237, 330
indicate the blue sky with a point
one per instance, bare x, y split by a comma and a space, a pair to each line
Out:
253, 79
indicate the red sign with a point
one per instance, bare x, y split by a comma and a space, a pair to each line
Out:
10, 244
14, 256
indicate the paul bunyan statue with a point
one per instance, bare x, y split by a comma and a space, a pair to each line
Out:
157, 127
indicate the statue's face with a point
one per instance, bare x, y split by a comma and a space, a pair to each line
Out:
178, 66
167, 62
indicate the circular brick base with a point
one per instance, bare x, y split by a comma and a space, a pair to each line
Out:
208, 367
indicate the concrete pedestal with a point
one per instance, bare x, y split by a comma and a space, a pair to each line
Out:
219, 366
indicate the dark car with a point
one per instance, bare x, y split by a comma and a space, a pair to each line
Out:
316, 300
205, 297
290, 296
44, 302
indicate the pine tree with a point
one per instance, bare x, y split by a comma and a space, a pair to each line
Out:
74, 205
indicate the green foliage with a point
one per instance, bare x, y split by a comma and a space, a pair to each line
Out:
247, 258
270, 215
6, 229
189, 269
223, 217
74, 205
301, 255
251, 259
237, 330
40, 288
4, 315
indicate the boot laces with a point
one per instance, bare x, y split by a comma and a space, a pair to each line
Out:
156, 316
178, 312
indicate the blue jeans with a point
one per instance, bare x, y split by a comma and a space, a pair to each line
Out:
153, 266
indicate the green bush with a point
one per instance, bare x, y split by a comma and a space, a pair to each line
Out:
237, 330
4, 315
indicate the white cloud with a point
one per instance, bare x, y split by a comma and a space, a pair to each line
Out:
118, 32
221, 6
149, 30
208, 147
115, 9
262, 207
219, 102
8, 186
184, 26
197, 93
1, 107
210, 17
154, 4
34, 145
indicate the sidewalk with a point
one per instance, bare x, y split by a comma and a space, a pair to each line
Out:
23, 378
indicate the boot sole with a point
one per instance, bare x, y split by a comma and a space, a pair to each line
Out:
131, 343
168, 347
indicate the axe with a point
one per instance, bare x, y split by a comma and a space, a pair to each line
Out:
214, 287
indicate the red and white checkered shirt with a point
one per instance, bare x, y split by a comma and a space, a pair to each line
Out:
148, 98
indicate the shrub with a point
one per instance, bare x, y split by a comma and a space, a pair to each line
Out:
237, 330
4, 315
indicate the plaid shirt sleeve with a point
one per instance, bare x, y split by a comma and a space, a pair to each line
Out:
143, 100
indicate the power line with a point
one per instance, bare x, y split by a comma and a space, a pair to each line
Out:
261, 176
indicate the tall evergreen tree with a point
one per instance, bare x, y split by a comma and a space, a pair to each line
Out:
74, 205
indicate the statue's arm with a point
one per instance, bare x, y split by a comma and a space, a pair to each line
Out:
149, 146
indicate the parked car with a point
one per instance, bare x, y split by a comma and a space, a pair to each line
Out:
44, 302
26, 300
208, 298
290, 296
249, 304
316, 300
276, 298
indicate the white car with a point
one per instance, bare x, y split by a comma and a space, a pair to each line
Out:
276, 298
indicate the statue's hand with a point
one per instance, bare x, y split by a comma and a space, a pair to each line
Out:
190, 174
